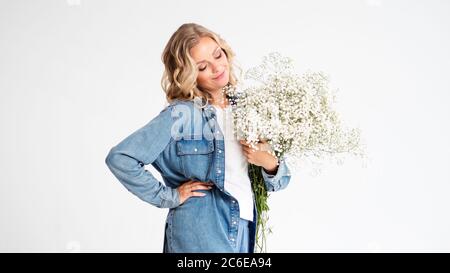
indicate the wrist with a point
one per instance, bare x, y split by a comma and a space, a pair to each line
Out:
272, 168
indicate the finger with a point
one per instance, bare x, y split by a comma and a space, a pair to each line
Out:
201, 187
255, 146
243, 142
252, 147
195, 193
199, 183
202, 183
249, 150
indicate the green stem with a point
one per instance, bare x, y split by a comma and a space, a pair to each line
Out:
262, 207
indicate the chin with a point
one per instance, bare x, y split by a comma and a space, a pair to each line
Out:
223, 81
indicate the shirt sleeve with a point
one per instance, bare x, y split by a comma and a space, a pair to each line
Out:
280, 180
127, 159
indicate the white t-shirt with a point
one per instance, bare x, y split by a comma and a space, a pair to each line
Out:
237, 181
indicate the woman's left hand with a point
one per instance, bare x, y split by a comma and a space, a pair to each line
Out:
260, 156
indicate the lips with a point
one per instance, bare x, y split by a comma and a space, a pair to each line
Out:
220, 76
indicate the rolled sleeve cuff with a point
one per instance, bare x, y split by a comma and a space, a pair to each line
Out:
170, 198
274, 179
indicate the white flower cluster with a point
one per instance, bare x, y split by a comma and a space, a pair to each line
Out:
294, 113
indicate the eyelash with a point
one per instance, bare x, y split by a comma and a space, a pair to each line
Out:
218, 57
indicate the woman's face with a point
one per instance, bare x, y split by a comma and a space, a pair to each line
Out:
212, 64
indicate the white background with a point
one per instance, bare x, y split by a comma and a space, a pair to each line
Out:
78, 76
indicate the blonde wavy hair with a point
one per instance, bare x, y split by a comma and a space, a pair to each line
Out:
179, 80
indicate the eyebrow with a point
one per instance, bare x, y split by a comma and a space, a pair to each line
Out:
212, 53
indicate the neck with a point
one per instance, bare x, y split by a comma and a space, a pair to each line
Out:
219, 98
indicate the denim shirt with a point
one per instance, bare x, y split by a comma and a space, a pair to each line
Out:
196, 152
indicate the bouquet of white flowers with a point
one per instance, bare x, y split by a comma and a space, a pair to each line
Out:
294, 114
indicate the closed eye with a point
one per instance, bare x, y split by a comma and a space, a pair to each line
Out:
217, 57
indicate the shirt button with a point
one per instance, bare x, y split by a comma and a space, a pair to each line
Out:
232, 239
233, 201
220, 151
195, 150
234, 222
219, 171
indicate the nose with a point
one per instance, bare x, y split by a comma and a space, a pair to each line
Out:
215, 67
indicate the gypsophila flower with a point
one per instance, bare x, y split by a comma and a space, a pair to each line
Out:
295, 114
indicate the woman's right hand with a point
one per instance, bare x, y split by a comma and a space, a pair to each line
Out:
188, 189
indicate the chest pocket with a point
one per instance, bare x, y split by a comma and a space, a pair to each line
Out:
196, 157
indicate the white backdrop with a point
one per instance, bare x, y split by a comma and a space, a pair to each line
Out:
78, 76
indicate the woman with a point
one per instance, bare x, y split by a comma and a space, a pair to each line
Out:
206, 187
